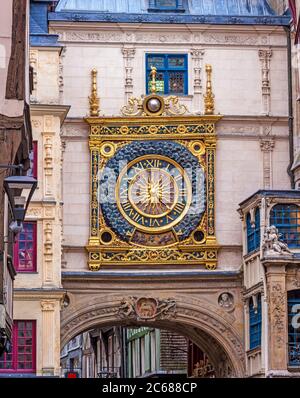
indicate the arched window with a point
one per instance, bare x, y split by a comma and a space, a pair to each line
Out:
253, 232
294, 327
286, 217
255, 323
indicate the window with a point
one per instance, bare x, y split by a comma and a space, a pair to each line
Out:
293, 330
286, 217
255, 323
171, 75
166, 5
21, 356
253, 232
32, 171
25, 248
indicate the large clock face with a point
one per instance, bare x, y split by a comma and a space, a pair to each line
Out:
153, 193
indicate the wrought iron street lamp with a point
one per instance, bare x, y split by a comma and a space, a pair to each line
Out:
19, 190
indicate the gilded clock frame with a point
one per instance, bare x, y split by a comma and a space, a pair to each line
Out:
107, 135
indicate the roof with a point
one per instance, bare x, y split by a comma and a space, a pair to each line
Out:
240, 12
194, 7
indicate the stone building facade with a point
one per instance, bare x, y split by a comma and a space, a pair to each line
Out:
231, 293
15, 138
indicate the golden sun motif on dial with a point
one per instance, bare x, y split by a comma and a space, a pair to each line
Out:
153, 193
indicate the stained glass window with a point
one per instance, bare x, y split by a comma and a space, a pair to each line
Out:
171, 77
25, 248
21, 356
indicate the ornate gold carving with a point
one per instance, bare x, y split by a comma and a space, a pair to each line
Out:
93, 99
197, 133
153, 81
146, 308
153, 104
138, 256
209, 96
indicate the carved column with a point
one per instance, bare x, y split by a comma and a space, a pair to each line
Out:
267, 146
277, 315
48, 253
265, 58
33, 61
48, 163
197, 59
128, 54
48, 337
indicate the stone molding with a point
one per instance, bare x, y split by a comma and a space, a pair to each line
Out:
209, 36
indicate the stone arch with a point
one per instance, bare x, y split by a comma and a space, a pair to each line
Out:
205, 324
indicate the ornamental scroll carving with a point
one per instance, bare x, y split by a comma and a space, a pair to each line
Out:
277, 312
146, 308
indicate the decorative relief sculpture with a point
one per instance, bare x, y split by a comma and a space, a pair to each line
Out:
146, 308
272, 246
226, 301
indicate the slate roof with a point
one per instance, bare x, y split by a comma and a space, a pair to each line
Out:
192, 7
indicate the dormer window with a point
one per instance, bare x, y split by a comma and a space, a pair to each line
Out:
166, 6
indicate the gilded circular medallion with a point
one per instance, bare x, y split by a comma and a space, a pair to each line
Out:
153, 193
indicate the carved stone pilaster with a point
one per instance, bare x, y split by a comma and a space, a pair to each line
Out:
48, 164
277, 314
265, 58
48, 337
48, 253
267, 146
197, 59
61, 75
33, 61
128, 55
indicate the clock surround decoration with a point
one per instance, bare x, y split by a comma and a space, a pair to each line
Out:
157, 213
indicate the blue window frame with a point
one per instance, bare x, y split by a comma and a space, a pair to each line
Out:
166, 5
286, 217
253, 232
172, 73
294, 333
255, 323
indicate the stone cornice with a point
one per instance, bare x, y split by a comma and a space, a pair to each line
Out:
194, 35
60, 111
33, 294
159, 18
162, 276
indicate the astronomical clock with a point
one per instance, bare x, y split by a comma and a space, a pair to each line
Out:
152, 183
